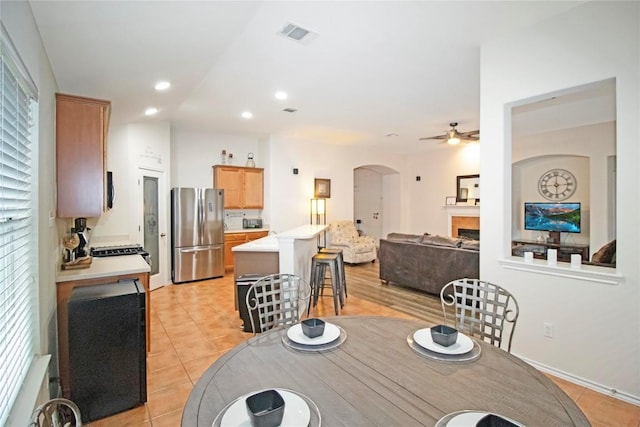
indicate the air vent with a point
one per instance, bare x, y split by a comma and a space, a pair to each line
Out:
289, 110
299, 34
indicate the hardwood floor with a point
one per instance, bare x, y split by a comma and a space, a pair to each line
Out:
194, 324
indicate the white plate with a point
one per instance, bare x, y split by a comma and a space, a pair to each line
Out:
463, 344
296, 412
466, 419
331, 333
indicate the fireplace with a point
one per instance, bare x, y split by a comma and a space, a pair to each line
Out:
467, 226
469, 233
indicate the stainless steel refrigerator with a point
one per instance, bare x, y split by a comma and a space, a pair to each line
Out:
197, 234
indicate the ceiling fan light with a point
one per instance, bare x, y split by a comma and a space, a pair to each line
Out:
453, 141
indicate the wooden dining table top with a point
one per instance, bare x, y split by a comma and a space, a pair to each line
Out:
374, 378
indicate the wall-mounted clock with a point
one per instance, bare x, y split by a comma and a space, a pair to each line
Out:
557, 184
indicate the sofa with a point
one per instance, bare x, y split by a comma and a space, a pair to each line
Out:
355, 248
427, 262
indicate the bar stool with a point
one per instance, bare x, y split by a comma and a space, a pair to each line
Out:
319, 264
343, 277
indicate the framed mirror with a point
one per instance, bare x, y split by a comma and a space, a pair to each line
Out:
468, 187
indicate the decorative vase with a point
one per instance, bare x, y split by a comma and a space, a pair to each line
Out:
250, 162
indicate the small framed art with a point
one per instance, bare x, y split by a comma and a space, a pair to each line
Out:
322, 188
450, 200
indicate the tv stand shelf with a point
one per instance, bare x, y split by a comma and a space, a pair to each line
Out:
539, 249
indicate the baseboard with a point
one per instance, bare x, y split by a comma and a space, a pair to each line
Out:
599, 388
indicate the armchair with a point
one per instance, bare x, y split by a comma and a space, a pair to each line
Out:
355, 249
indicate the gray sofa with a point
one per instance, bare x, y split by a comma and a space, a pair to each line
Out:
427, 262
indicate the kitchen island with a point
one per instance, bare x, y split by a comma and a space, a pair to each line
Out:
288, 252
101, 271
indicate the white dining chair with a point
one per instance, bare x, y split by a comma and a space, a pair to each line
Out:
57, 412
482, 309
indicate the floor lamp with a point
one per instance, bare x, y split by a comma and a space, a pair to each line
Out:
319, 217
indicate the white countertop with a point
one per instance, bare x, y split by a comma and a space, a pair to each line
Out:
272, 243
264, 244
105, 267
303, 232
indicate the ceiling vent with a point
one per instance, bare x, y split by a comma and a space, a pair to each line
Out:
299, 34
289, 110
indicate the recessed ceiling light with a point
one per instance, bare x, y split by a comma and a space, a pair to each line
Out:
160, 86
281, 95
151, 111
247, 115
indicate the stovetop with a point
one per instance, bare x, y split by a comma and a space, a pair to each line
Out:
107, 251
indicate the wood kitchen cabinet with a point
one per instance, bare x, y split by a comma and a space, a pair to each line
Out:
243, 187
81, 143
234, 239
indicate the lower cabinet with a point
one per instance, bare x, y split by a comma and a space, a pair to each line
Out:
232, 240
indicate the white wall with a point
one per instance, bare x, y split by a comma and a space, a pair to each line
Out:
288, 204
19, 23
596, 325
438, 170
131, 147
194, 153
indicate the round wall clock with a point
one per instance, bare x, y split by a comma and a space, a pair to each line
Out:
557, 184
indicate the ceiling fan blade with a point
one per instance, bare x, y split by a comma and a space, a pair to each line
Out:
470, 134
434, 137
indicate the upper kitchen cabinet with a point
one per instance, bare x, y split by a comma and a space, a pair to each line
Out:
243, 187
81, 144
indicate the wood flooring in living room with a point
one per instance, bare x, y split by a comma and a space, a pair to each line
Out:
193, 324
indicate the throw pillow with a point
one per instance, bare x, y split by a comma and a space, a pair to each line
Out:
606, 254
440, 241
402, 237
470, 244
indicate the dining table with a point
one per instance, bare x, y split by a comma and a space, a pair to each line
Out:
374, 374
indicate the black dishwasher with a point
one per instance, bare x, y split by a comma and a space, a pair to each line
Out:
107, 348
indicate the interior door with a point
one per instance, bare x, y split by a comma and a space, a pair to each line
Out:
367, 201
153, 223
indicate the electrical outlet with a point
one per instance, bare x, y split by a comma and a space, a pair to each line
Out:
548, 329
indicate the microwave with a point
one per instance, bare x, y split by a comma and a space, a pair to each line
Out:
251, 223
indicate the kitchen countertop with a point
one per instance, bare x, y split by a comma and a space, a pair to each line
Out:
105, 267
272, 243
245, 230
264, 244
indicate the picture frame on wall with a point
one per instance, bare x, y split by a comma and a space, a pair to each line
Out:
450, 200
322, 188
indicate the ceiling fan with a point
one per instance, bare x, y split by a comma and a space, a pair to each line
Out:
453, 137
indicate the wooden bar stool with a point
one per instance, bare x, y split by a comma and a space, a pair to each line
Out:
319, 264
343, 277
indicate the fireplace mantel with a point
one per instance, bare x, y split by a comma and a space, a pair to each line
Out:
456, 211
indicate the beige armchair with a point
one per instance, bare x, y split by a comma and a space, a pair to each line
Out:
355, 249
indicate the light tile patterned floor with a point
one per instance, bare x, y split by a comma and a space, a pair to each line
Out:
193, 324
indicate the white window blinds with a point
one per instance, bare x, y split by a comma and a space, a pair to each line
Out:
18, 293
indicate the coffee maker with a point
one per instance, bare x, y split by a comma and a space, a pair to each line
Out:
80, 228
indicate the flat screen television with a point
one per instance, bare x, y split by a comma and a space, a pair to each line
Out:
554, 217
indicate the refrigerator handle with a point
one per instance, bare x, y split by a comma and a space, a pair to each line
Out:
200, 217
189, 251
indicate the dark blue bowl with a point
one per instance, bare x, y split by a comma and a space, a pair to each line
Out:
444, 335
313, 327
265, 409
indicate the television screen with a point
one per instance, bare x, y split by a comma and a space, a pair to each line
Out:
564, 217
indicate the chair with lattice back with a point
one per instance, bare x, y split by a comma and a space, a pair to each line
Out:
482, 309
57, 412
277, 300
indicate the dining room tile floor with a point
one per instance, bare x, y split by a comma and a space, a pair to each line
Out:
195, 323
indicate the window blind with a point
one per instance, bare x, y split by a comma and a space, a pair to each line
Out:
18, 292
